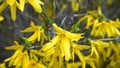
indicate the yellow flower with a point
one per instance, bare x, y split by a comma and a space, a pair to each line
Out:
112, 47
38, 33
22, 60
2, 65
75, 5
14, 4
94, 51
11, 59
89, 21
74, 65
36, 5
100, 46
3, 6
1, 18
85, 59
19, 57
14, 47
62, 41
34, 54
76, 47
34, 64
110, 29
114, 61
10, 2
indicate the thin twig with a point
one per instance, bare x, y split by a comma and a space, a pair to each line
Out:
71, 16
85, 41
105, 39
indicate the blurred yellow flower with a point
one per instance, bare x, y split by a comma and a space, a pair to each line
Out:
62, 41
85, 59
35, 64
17, 58
110, 29
114, 61
101, 47
2, 65
36, 4
14, 47
14, 4
38, 33
75, 5
112, 47
1, 18
33, 54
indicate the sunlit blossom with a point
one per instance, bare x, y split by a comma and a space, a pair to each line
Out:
62, 41
112, 47
75, 5
101, 47
36, 4
38, 33
110, 29
34, 64
2, 65
1, 18
14, 4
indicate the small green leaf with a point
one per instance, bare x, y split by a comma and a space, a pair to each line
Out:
27, 42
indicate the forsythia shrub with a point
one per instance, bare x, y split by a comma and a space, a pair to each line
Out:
66, 49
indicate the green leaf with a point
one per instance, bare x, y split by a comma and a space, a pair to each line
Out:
27, 42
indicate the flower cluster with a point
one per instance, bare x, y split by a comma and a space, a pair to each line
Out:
64, 49
20, 4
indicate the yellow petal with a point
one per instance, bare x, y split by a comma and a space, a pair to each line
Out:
36, 5
81, 47
73, 36
50, 44
79, 54
11, 2
43, 34
30, 29
94, 27
65, 48
25, 59
13, 12
33, 37
92, 64
32, 23
75, 5
34, 64
1, 18
108, 52
22, 4
89, 22
58, 29
14, 47
17, 60
83, 65
94, 51
115, 48
38, 35
2, 65
3, 6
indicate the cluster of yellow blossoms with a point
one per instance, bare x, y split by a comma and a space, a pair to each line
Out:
64, 49
101, 27
20, 4
61, 51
